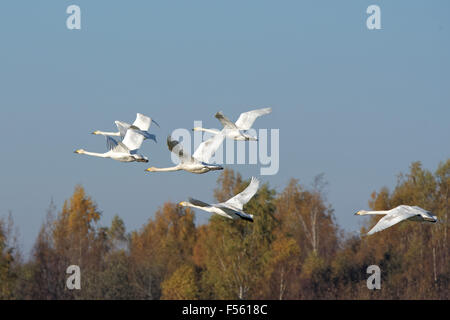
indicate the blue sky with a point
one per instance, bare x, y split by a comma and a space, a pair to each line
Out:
355, 104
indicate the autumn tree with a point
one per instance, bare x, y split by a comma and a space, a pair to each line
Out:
160, 248
305, 215
281, 264
8, 259
234, 251
70, 238
181, 285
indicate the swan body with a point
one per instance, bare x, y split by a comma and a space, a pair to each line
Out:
398, 214
119, 156
231, 209
198, 162
237, 131
198, 168
141, 125
125, 151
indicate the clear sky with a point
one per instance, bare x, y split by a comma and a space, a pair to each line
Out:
355, 104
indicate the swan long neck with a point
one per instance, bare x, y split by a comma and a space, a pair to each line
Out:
207, 130
170, 169
364, 212
104, 133
95, 154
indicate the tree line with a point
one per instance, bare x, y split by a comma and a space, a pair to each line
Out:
293, 250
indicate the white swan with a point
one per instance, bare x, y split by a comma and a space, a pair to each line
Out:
198, 162
141, 125
237, 130
233, 208
397, 215
125, 151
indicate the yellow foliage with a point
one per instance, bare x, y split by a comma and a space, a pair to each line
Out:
181, 285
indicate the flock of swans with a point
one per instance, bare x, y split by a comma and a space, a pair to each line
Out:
133, 135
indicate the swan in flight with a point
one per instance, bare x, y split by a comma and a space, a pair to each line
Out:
198, 162
233, 208
141, 125
397, 215
125, 151
237, 130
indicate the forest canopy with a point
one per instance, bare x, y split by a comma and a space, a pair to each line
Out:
293, 250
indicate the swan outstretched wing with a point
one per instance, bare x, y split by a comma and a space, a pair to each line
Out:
142, 122
242, 198
175, 147
246, 119
410, 209
199, 203
110, 143
397, 215
207, 148
153, 121
149, 136
122, 127
133, 139
115, 146
423, 212
227, 124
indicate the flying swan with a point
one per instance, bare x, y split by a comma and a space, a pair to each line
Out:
125, 151
397, 215
237, 130
233, 208
141, 125
198, 162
